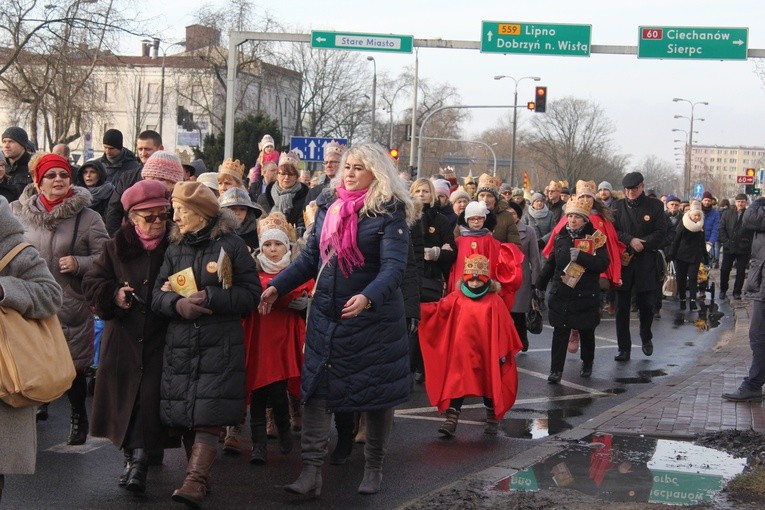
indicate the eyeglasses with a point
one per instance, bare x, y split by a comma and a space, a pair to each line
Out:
286, 174
61, 175
331, 163
153, 217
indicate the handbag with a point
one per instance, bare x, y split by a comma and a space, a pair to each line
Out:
35, 363
669, 288
534, 317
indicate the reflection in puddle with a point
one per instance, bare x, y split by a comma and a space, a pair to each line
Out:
627, 468
644, 376
548, 423
707, 317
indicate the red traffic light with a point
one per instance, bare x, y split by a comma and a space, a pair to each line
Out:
393, 153
540, 96
750, 172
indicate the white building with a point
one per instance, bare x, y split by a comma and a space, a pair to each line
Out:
716, 167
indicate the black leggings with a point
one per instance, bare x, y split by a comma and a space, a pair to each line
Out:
275, 394
78, 392
456, 403
687, 278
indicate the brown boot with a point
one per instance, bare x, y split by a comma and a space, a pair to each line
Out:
296, 414
194, 488
270, 424
361, 434
492, 423
450, 425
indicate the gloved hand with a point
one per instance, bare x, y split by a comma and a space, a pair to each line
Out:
432, 253
300, 303
190, 307
574, 253
412, 325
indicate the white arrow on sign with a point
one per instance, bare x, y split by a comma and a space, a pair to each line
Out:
489, 34
739, 42
312, 147
320, 39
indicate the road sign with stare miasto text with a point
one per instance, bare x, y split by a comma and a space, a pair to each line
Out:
362, 42
709, 43
535, 38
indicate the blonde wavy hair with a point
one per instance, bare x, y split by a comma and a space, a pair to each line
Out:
419, 182
386, 186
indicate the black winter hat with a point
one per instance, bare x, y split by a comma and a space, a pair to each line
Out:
113, 138
18, 135
632, 180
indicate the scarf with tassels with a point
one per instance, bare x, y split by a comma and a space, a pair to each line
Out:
340, 229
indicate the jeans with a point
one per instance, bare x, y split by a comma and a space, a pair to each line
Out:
741, 260
756, 378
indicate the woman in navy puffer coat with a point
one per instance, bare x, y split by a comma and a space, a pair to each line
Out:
356, 346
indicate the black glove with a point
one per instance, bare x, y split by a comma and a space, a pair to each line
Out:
190, 308
412, 325
300, 303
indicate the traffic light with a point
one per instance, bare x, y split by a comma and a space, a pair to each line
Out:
393, 154
540, 99
749, 189
531, 105
750, 172
756, 192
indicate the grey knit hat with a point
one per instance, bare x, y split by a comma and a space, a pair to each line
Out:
606, 185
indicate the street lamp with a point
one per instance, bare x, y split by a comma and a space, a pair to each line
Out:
157, 49
687, 176
374, 94
515, 117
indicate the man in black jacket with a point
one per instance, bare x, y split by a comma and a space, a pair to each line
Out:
736, 243
15, 141
641, 225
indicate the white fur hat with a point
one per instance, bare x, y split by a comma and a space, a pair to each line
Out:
476, 209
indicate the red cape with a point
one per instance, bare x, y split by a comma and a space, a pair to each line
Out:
274, 342
462, 341
505, 261
614, 247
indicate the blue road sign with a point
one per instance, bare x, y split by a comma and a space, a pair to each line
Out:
698, 190
312, 148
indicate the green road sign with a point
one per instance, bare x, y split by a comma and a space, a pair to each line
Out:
693, 43
535, 38
362, 42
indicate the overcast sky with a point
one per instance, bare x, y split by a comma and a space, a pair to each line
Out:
636, 94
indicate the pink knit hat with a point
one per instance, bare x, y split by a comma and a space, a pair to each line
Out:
163, 165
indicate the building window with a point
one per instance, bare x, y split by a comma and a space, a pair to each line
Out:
153, 93
110, 90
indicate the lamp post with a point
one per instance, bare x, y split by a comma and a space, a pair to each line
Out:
157, 49
374, 94
687, 176
515, 117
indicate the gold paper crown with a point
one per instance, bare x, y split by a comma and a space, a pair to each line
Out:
290, 157
468, 180
555, 185
277, 220
232, 167
587, 188
476, 264
489, 181
447, 172
578, 207
334, 147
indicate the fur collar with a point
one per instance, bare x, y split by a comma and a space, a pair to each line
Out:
225, 223
128, 245
691, 225
33, 213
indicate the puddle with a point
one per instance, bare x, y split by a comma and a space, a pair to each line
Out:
644, 376
708, 316
540, 424
628, 468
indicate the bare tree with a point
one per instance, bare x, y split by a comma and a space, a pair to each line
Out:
572, 141
661, 176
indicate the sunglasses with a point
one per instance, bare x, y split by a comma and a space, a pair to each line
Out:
53, 175
151, 218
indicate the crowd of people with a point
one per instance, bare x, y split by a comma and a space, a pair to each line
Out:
271, 295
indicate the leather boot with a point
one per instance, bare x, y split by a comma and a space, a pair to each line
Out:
361, 434
313, 442
136, 481
296, 414
128, 452
450, 425
78, 433
682, 304
379, 425
270, 423
285, 436
492, 423
232, 443
194, 488
42, 412
259, 439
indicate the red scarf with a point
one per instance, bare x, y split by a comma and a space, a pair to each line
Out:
49, 205
340, 228
150, 243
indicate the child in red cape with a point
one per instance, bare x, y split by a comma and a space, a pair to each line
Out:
274, 342
469, 343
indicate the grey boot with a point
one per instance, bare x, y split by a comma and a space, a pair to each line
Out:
379, 425
314, 440
449, 427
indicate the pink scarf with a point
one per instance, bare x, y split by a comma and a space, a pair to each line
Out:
149, 243
340, 228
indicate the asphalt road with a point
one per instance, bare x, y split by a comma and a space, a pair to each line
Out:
418, 460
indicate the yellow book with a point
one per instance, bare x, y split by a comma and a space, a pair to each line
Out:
183, 282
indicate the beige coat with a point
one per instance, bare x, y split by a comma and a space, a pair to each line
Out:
52, 233
27, 286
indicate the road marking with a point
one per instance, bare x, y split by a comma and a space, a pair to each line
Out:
93, 443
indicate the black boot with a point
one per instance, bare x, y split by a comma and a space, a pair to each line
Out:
259, 439
42, 412
342, 450
137, 478
285, 434
128, 452
78, 432
682, 305
693, 305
